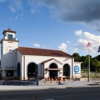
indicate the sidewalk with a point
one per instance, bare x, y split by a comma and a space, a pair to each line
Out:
69, 84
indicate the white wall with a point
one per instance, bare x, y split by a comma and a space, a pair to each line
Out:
20, 60
8, 59
77, 74
59, 65
11, 59
39, 59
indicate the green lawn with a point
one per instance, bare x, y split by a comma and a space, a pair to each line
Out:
84, 73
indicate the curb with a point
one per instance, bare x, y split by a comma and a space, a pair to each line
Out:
14, 88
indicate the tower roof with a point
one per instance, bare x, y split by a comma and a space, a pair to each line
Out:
9, 30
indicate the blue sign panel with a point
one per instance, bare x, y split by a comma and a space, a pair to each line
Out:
76, 69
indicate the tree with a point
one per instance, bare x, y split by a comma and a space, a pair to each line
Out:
76, 57
97, 57
95, 64
85, 62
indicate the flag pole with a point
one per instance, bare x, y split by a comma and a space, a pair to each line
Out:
89, 67
88, 45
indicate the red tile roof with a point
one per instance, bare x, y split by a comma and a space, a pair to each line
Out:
42, 52
9, 30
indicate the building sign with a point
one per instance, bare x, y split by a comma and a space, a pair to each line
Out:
76, 69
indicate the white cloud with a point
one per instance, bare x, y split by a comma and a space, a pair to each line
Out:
71, 10
79, 32
75, 50
84, 11
36, 45
11, 7
88, 37
20, 16
15, 5
63, 47
35, 5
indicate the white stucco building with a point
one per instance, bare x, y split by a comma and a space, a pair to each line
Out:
25, 62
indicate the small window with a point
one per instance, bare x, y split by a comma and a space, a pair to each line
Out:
9, 73
10, 37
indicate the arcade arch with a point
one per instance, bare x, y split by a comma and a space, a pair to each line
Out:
18, 69
32, 70
66, 70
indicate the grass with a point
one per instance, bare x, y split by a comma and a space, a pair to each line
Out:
84, 73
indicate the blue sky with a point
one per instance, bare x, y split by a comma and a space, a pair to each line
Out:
66, 25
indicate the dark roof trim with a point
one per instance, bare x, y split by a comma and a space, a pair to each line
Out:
9, 40
9, 30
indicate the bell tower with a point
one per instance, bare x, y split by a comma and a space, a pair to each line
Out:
9, 44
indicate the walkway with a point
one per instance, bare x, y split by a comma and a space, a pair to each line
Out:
68, 84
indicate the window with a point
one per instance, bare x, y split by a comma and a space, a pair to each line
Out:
9, 73
10, 37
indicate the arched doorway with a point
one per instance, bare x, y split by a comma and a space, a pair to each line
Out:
66, 70
32, 70
0, 74
53, 73
18, 69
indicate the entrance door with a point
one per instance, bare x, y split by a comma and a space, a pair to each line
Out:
53, 73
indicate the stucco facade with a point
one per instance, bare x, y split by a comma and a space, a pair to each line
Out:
25, 63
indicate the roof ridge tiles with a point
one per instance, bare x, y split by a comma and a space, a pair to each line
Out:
42, 52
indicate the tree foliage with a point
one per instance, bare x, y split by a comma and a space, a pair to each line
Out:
77, 57
94, 62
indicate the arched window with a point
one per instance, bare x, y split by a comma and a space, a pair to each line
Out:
32, 70
66, 70
18, 69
